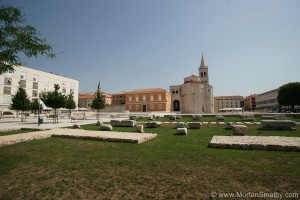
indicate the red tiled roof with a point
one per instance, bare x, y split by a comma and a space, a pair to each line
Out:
118, 93
234, 96
90, 95
147, 90
86, 96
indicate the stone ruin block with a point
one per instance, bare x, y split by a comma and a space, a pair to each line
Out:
106, 127
153, 124
139, 128
229, 125
76, 126
172, 117
181, 131
196, 117
194, 125
239, 130
115, 122
278, 124
181, 125
128, 123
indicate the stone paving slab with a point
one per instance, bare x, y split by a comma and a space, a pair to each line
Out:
136, 138
213, 123
248, 123
221, 123
275, 143
111, 136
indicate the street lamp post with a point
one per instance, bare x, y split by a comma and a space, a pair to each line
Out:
39, 111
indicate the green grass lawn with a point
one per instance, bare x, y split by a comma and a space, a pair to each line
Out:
207, 119
3, 133
168, 167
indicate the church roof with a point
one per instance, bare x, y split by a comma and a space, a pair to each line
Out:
202, 65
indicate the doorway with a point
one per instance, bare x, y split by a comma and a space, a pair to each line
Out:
176, 105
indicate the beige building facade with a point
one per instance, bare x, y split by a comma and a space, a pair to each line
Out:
250, 102
34, 82
148, 100
228, 103
267, 101
195, 95
85, 100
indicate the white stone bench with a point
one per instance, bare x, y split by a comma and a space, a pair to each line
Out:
78, 117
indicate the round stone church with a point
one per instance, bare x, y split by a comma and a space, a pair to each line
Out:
195, 95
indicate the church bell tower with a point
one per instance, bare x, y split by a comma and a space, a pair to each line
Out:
203, 72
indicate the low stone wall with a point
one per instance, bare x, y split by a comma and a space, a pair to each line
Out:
278, 124
123, 123
153, 124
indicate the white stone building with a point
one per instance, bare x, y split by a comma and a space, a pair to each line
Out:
228, 103
195, 95
34, 82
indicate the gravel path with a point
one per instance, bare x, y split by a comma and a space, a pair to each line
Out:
277, 143
77, 133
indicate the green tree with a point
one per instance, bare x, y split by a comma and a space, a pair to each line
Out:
54, 99
98, 102
17, 37
35, 106
70, 104
289, 95
20, 102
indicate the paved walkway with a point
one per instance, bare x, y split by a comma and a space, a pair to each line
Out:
16, 124
276, 143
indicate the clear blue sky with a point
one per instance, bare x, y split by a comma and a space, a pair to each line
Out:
250, 46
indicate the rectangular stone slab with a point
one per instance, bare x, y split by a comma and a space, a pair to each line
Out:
111, 136
274, 143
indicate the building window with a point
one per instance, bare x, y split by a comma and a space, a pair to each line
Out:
151, 97
130, 98
130, 107
23, 75
35, 85
7, 90
159, 97
46, 88
144, 97
159, 106
136, 98
151, 106
7, 81
22, 83
34, 93
35, 78
137, 107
